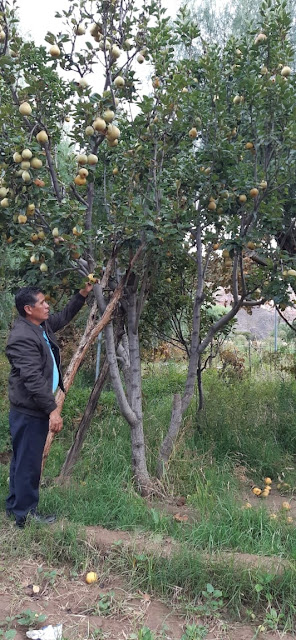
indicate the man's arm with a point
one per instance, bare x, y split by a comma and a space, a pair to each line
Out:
60, 319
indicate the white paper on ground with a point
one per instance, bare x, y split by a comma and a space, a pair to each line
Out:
46, 633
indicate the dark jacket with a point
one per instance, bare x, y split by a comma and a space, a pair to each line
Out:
30, 380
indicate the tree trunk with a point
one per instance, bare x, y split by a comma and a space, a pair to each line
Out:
124, 361
180, 405
170, 438
199, 386
139, 464
130, 410
74, 451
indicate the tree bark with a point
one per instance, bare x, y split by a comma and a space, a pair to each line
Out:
124, 361
170, 438
90, 335
139, 464
199, 386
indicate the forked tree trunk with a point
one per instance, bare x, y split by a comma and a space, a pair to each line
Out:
140, 471
196, 350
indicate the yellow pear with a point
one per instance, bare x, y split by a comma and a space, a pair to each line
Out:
26, 176
25, 109
27, 154
83, 83
115, 51
25, 165
55, 51
99, 124
22, 219
42, 137
80, 30
82, 159
108, 115
113, 132
286, 71
91, 576
193, 133
92, 159
36, 163
119, 82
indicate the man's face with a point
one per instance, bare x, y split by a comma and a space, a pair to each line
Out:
39, 312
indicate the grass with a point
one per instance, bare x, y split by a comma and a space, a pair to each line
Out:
247, 424
184, 577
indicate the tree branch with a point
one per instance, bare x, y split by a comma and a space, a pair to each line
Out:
52, 172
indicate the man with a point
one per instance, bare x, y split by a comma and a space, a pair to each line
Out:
34, 356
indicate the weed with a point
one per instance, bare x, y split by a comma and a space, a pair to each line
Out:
143, 634
105, 604
7, 635
26, 618
194, 632
212, 601
49, 577
273, 619
251, 422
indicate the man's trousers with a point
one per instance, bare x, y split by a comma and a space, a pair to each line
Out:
28, 435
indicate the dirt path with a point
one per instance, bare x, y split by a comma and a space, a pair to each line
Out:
78, 606
106, 609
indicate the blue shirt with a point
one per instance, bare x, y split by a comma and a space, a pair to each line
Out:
55, 378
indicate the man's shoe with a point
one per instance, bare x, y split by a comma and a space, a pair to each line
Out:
20, 522
36, 517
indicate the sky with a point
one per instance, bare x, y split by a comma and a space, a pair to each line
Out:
37, 16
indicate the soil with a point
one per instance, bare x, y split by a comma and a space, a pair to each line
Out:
5, 457
67, 599
70, 601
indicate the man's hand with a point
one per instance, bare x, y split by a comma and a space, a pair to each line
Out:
86, 290
55, 421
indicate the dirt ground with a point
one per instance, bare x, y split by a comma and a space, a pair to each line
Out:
104, 609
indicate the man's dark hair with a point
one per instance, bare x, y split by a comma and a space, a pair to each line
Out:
24, 296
